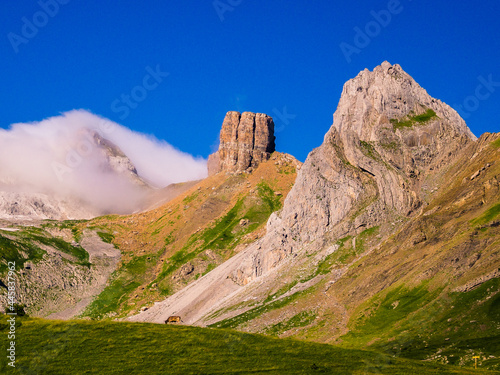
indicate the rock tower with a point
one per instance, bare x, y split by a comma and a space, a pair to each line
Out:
246, 140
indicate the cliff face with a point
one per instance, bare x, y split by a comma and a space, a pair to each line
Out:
389, 143
246, 140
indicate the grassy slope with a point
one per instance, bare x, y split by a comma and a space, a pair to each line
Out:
419, 314
25, 246
200, 228
85, 347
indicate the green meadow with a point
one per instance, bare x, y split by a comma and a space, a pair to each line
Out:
105, 347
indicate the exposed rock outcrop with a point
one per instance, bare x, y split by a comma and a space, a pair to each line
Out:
389, 141
115, 161
59, 282
246, 140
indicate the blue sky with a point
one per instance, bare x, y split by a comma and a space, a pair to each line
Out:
284, 58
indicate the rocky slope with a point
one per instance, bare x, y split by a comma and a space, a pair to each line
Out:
388, 139
56, 275
192, 234
23, 205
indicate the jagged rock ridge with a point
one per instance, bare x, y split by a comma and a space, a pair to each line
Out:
246, 140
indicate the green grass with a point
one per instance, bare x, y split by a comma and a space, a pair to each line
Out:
86, 347
73, 225
284, 289
106, 236
410, 121
340, 256
345, 253
389, 145
24, 246
421, 324
121, 284
369, 150
259, 310
380, 318
226, 233
496, 144
488, 216
58, 243
13, 251
424, 117
302, 319
191, 197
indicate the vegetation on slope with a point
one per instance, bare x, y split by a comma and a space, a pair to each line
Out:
86, 347
412, 120
122, 282
187, 237
26, 246
415, 323
226, 232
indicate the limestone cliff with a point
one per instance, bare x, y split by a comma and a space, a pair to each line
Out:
246, 140
388, 143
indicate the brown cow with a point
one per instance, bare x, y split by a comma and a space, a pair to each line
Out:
173, 319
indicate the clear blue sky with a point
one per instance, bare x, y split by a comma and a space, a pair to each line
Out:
259, 56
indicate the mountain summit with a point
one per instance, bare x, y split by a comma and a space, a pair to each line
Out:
389, 143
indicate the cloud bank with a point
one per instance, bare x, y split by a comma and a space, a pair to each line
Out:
70, 156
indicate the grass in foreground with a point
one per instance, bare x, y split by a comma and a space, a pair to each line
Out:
87, 347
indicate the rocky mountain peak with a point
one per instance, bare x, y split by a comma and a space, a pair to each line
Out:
115, 160
388, 148
22, 200
385, 95
246, 140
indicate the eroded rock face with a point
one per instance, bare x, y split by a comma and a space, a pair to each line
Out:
246, 140
389, 143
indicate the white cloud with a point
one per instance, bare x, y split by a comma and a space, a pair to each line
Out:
58, 155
